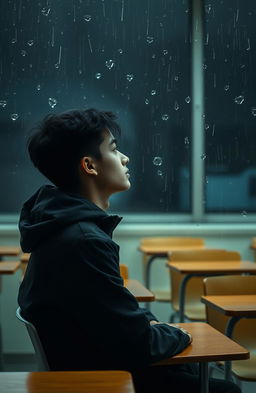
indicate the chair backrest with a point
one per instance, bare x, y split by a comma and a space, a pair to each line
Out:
172, 241
124, 271
194, 288
42, 362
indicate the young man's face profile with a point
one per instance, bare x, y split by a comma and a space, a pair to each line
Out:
112, 168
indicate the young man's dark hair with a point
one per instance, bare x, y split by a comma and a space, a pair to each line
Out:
72, 290
61, 140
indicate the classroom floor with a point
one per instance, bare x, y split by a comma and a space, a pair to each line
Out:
27, 363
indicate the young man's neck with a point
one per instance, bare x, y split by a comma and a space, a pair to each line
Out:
99, 200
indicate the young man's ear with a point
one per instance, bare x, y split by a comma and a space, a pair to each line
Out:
87, 165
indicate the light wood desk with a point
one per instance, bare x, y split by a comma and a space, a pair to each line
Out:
209, 268
141, 293
235, 306
6, 251
66, 382
253, 247
208, 345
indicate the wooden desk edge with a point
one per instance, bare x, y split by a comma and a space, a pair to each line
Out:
206, 301
9, 267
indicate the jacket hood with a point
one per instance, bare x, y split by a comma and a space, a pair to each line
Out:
50, 209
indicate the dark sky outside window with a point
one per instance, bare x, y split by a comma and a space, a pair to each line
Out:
128, 56
230, 106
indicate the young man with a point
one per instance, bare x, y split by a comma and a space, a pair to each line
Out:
72, 290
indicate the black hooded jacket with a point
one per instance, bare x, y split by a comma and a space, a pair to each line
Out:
73, 293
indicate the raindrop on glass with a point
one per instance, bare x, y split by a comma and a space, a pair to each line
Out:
3, 103
165, 52
57, 65
38, 87
45, 11
52, 102
23, 53
206, 126
226, 88
30, 42
253, 111
165, 116
14, 40
98, 75
129, 77
187, 99
176, 78
160, 173
87, 18
203, 157
153, 92
176, 106
208, 8
157, 161
150, 40
186, 140
120, 50
109, 64
14, 116
204, 66
244, 213
239, 100
146, 101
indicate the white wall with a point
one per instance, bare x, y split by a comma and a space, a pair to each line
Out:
229, 236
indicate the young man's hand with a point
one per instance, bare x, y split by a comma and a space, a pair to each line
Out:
175, 326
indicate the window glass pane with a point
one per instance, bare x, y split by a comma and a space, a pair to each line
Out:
127, 56
230, 106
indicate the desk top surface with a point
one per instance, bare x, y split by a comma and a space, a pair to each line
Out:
66, 382
141, 293
163, 250
9, 251
9, 267
208, 345
237, 305
208, 267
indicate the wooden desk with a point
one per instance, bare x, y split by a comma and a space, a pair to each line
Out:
66, 382
209, 268
235, 306
141, 293
25, 257
253, 247
208, 345
6, 251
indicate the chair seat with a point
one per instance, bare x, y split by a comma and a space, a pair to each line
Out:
195, 311
245, 369
162, 295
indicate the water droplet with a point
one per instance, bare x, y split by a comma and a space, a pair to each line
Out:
23, 53
157, 161
153, 56
150, 40
204, 66
146, 101
129, 77
109, 64
52, 102
253, 111
3, 103
206, 179
98, 75
14, 40
14, 116
38, 87
186, 140
206, 126
208, 8
203, 156
239, 100
165, 52
160, 173
30, 42
87, 18
176, 78
176, 106
187, 99
120, 50
226, 87
165, 116
45, 11
203, 116
57, 65
153, 92
244, 213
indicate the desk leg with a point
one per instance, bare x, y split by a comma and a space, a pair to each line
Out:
204, 377
229, 330
182, 296
147, 267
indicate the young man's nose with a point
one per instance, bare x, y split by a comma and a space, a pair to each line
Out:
125, 159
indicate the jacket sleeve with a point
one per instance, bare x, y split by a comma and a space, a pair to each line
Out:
114, 309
